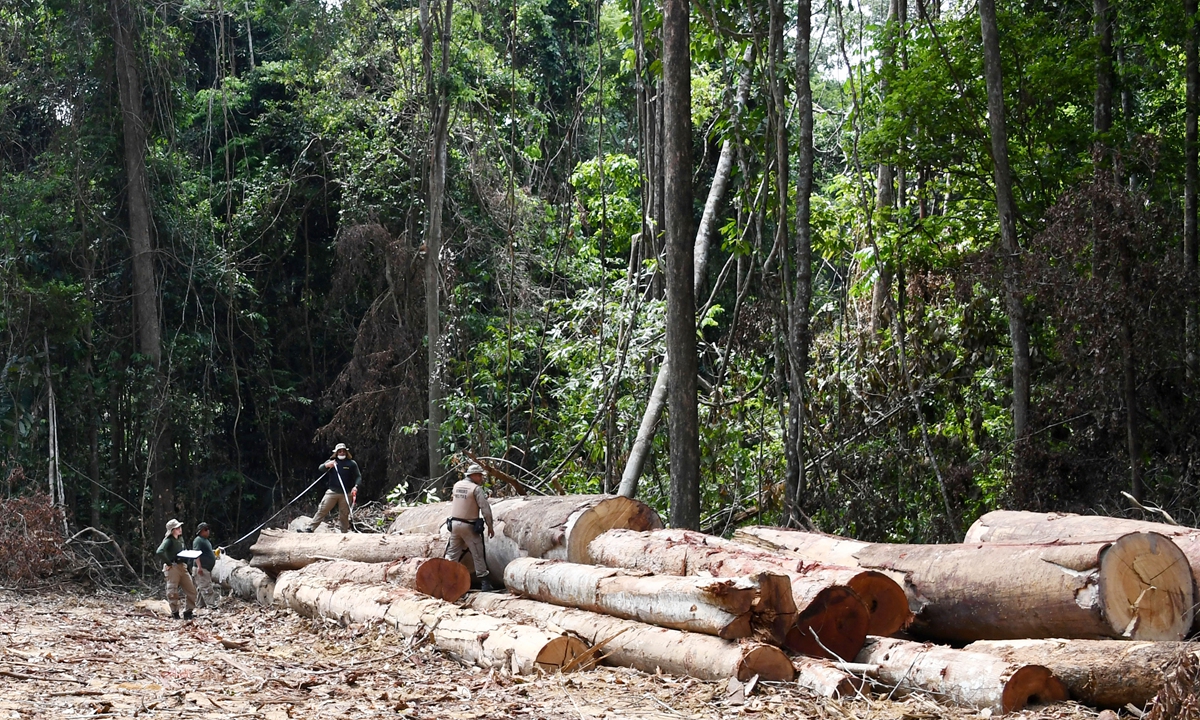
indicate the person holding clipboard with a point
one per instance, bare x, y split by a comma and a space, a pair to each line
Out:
175, 571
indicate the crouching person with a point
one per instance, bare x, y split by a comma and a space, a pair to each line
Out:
175, 570
468, 501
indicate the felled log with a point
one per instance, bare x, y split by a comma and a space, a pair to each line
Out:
278, 550
434, 577
651, 649
1010, 526
713, 606
882, 595
557, 527
1102, 673
1138, 587
831, 620
824, 678
248, 583
967, 679
486, 641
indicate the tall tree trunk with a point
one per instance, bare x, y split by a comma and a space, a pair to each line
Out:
799, 334
1103, 102
704, 235
1190, 243
885, 196
1018, 328
145, 290
440, 107
681, 304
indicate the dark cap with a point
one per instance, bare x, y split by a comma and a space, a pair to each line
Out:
202, 526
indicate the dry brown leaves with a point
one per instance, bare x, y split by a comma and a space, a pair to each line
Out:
77, 656
32, 546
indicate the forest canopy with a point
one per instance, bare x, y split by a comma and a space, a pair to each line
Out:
937, 271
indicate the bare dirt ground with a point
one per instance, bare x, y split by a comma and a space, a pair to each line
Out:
71, 655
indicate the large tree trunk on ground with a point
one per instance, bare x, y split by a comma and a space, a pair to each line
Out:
1101, 673
1012, 526
276, 550
244, 581
486, 641
833, 550
550, 527
1137, 587
961, 678
711, 606
651, 649
831, 619
435, 577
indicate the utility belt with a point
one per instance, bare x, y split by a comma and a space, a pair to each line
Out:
477, 524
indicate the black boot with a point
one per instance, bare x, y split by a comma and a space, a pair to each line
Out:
485, 585
187, 614
174, 614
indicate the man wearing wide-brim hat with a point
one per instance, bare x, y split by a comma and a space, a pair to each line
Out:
468, 501
175, 570
342, 477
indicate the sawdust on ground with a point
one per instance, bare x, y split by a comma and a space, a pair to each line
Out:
70, 655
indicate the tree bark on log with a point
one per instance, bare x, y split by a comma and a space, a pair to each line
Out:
822, 678
246, 582
1011, 526
435, 577
486, 641
967, 679
277, 550
879, 594
1138, 587
713, 606
627, 643
1101, 673
550, 527
831, 620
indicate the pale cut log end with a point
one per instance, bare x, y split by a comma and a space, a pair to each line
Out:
1032, 685
885, 600
833, 626
767, 662
442, 579
1146, 588
611, 512
561, 652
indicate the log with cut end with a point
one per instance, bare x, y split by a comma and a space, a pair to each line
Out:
884, 596
1138, 587
486, 641
651, 649
967, 679
1011, 526
435, 577
1102, 673
831, 619
278, 550
246, 582
713, 606
550, 527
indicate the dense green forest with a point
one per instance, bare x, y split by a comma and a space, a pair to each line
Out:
937, 270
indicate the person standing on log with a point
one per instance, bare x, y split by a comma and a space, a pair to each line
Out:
175, 570
341, 487
468, 501
202, 572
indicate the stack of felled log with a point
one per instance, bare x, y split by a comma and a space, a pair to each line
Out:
1046, 610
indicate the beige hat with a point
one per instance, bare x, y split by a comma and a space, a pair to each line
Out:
340, 446
172, 524
475, 468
